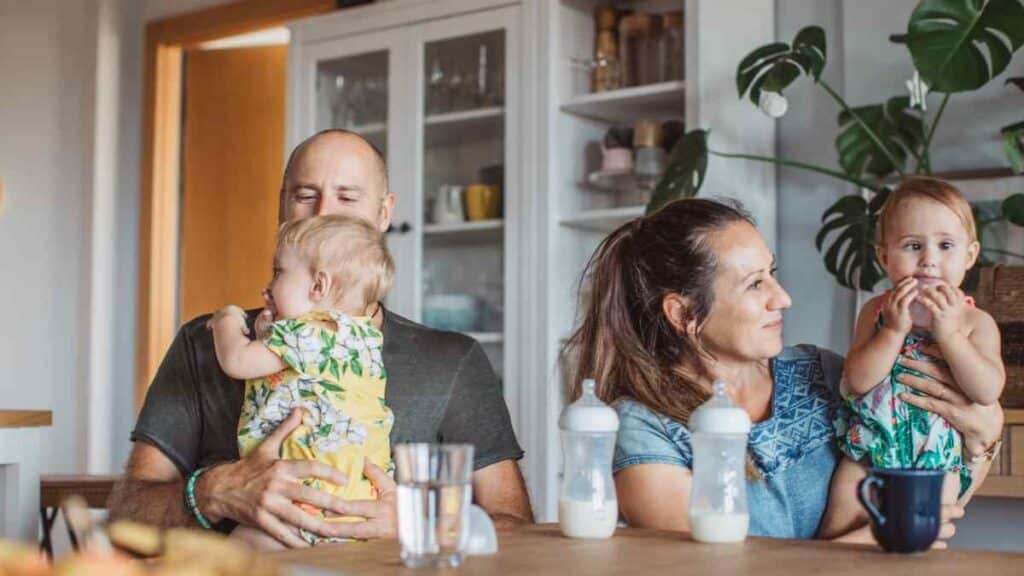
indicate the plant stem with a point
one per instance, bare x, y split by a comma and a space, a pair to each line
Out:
928, 140
1003, 252
871, 133
782, 161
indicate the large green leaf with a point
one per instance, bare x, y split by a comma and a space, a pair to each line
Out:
959, 45
1013, 209
685, 170
774, 67
850, 256
896, 125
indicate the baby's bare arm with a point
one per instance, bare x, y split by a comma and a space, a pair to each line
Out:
239, 356
872, 354
976, 359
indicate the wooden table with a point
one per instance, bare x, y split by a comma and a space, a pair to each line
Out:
20, 458
541, 550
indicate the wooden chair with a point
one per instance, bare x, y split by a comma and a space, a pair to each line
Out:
54, 489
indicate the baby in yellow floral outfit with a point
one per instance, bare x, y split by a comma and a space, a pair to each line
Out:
322, 354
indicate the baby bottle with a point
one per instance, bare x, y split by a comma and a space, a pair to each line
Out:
718, 500
587, 506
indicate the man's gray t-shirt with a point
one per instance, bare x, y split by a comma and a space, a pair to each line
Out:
441, 388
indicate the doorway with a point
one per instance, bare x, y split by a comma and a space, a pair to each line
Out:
232, 159
187, 188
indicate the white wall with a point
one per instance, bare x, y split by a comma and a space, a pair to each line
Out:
866, 68
70, 108
46, 98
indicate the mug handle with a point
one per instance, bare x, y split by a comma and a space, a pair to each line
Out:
865, 500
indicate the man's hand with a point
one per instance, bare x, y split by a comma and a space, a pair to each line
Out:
261, 490
381, 514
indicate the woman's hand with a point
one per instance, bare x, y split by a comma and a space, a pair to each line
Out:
980, 425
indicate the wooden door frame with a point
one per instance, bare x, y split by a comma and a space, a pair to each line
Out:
166, 41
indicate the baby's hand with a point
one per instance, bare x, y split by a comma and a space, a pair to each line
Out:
229, 314
266, 316
948, 306
896, 310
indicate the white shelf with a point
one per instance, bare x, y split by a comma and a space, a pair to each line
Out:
620, 181
366, 130
464, 116
663, 101
604, 220
464, 232
487, 337
464, 127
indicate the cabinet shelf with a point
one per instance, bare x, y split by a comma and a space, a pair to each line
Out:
662, 101
461, 127
1002, 487
604, 220
367, 130
487, 337
464, 232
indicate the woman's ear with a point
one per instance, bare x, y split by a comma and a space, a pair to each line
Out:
321, 286
676, 308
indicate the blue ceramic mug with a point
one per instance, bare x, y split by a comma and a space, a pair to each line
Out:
908, 514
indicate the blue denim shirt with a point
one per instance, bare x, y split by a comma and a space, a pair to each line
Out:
794, 449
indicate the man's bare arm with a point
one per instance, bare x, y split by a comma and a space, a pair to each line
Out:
499, 489
151, 491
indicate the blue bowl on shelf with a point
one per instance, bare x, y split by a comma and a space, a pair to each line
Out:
454, 312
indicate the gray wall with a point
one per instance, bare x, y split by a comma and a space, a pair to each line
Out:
866, 68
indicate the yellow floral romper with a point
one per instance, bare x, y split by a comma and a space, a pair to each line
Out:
338, 378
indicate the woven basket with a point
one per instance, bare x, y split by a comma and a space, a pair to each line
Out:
1001, 294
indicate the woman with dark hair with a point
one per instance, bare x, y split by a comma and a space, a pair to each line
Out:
688, 295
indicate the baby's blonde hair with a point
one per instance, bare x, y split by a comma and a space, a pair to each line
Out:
351, 250
932, 189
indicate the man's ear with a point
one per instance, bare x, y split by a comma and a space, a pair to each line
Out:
387, 212
676, 309
321, 286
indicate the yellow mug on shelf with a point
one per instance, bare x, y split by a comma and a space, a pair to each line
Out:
483, 202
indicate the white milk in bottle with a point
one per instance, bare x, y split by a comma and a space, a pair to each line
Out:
718, 500
587, 506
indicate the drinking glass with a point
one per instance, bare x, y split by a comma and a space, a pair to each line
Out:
434, 496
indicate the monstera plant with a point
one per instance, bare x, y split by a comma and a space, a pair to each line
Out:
956, 46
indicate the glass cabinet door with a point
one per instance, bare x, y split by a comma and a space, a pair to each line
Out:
464, 189
352, 93
357, 87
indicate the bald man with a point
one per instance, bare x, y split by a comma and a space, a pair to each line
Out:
441, 388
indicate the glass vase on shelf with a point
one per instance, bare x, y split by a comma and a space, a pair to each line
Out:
607, 71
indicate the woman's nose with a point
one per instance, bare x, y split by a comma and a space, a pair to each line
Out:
780, 299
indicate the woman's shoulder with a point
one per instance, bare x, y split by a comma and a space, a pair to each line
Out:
647, 437
809, 365
635, 413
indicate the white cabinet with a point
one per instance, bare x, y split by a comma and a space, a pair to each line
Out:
435, 86
454, 89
